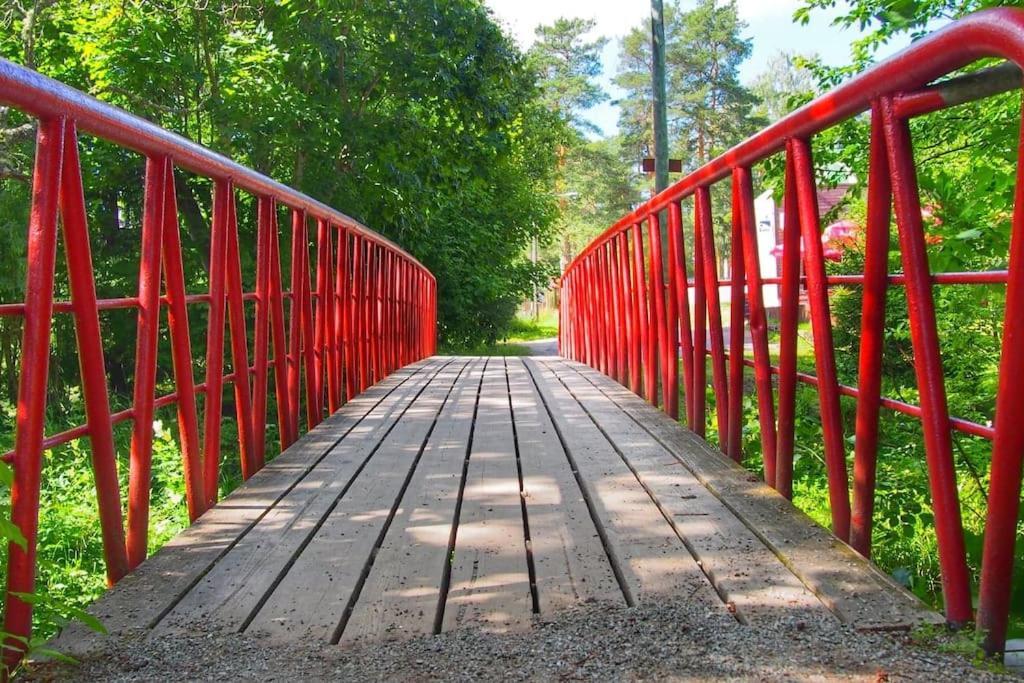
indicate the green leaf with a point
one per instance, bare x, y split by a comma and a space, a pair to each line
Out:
12, 533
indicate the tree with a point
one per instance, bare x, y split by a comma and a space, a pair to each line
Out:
435, 137
710, 110
566, 65
784, 84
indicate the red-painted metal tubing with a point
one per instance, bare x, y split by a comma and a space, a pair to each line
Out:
239, 347
872, 334
666, 355
758, 321
737, 337
78, 254
788, 319
679, 292
709, 266
700, 335
928, 367
35, 359
646, 349
1007, 448
215, 342
824, 349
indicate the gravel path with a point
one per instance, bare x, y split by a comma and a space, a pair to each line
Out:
669, 640
542, 347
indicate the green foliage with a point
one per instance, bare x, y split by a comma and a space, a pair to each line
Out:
419, 118
566, 65
708, 109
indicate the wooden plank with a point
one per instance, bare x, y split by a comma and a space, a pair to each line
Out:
144, 596
570, 564
744, 571
490, 582
400, 597
237, 584
852, 587
310, 601
651, 559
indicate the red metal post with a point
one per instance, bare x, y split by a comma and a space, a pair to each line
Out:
788, 319
276, 298
737, 336
261, 335
709, 263
928, 367
146, 337
646, 346
181, 353
872, 334
700, 335
78, 253
35, 360
239, 349
666, 355
215, 342
679, 292
758, 321
821, 326
1008, 446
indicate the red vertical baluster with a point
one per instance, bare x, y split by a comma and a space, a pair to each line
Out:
928, 366
346, 250
321, 327
261, 335
821, 326
359, 314
295, 321
788, 319
587, 293
658, 318
239, 350
314, 395
339, 326
181, 353
736, 328
700, 335
872, 336
671, 369
215, 342
758, 322
284, 420
146, 338
635, 369
604, 317
681, 295
374, 311
616, 297
709, 263
640, 287
621, 266
78, 253
1007, 448
35, 358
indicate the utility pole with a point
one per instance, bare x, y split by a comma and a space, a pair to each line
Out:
660, 114
658, 83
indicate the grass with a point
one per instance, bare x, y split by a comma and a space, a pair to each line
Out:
523, 329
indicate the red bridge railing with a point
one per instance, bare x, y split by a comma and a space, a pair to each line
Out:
357, 309
629, 316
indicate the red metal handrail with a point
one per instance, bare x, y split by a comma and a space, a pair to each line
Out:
370, 310
629, 321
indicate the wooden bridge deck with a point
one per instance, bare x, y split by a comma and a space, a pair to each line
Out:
492, 492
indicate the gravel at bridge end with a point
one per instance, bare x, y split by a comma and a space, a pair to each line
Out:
667, 640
